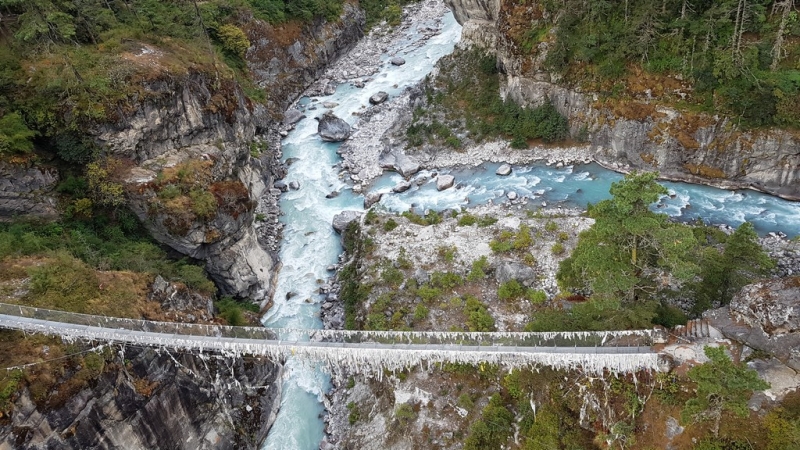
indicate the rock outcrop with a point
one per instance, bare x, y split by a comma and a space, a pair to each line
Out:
147, 398
765, 316
27, 191
638, 133
195, 122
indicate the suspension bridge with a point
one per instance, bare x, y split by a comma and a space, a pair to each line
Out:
367, 352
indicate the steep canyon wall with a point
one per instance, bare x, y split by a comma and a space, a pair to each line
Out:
641, 132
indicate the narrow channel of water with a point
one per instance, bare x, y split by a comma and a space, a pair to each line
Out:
310, 244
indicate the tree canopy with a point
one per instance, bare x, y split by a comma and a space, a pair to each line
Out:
629, 245
721, 386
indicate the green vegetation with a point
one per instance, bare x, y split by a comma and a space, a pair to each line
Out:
478, 270
233, 311
627, 242
378, 10
447, 252
740, 55
355, 414
478, 317
390, 225
619, 258
467, 220
100, 243
467, 91
430, 218
721, 386
353, 293
405, 413
724, 274
509, 241
493, 429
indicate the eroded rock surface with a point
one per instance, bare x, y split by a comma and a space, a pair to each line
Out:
27, 191
151, 399
765, 316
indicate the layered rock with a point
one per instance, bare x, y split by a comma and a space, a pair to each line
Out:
638, 133
27, 191
151, 399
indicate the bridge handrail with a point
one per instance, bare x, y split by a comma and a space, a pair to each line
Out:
521, 339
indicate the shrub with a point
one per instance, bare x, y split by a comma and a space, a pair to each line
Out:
446, 280
467, 220
392, 276
15, 136
478, 271
523, 238
558, 248
428, 293
511, 289
465, 401
536, 296
478, 317
405, 413
355, 414
233, 40
551, 227
447, 253
421, 312
389, 225
233, 311
486, 221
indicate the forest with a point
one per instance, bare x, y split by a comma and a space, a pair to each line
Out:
742, 56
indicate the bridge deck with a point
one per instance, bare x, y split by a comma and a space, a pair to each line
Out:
370, 357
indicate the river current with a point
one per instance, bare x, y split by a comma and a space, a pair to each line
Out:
310, 245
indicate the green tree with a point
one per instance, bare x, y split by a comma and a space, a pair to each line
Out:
628, 244
233, 40
721, 386
493, 429
15, 136
724, 274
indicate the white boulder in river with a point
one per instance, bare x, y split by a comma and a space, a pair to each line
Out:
503, 170
445, 182
332, 128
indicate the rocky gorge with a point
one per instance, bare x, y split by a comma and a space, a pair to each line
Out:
197, 135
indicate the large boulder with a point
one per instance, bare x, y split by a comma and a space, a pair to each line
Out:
503, 170
292, 116
507, 271
332, 128
397, 61
445, 182
343, 219
398, 161
372, 198
378, 98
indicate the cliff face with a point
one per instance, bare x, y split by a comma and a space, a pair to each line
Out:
195, 181
640, 132
151, 399
26, 191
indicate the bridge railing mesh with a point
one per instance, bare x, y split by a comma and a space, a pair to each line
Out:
519, 339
